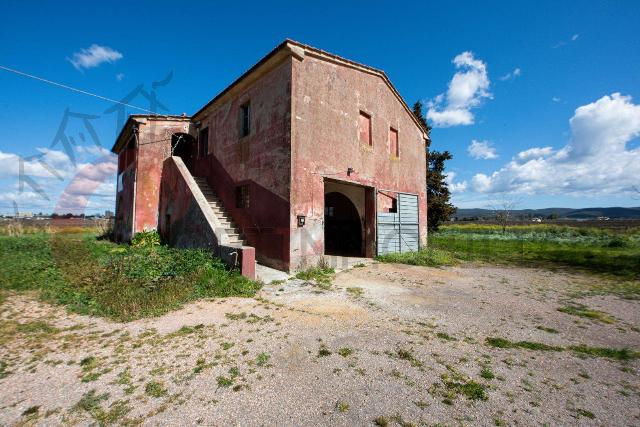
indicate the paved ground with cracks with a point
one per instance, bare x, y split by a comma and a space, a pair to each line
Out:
386, 344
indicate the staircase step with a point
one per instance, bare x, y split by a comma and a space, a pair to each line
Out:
214, 202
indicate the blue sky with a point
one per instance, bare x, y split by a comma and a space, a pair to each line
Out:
539, 101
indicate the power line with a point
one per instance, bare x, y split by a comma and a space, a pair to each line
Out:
84, 92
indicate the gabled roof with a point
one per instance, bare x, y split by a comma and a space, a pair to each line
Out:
299, 50
287, 48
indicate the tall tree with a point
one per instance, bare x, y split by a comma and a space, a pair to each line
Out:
439, 207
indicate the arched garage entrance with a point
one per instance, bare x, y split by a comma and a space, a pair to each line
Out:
342, 226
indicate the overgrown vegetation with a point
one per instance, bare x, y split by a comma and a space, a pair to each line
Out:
529, 345
611, 353
427, 257
589, 248
584, 311
121, 282
321, 276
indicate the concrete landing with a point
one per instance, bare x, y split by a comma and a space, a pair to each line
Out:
268, 274
345, 262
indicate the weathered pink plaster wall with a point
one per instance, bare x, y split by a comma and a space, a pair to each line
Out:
326, 102
260, 160
154, 146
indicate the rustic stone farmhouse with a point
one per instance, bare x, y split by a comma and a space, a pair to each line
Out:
306, 154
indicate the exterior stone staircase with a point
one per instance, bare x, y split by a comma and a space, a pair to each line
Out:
235, 235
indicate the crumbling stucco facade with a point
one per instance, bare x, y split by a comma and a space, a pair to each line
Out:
300, 130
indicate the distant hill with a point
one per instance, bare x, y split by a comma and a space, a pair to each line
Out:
566, 213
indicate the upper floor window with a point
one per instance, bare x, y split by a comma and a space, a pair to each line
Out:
394, 148
203, 142
245, 119
364, 124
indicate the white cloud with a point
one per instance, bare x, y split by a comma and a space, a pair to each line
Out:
597, 160
455, 187
94, 56
535, 153
482, 150
565, 42
556, 99
48, 164
119, 77
512, 75
51, 178
468, 87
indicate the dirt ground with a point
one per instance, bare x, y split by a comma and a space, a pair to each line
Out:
387, 344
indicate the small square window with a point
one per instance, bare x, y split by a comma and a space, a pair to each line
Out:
242, 196
203, 142
364, 124
394, 148
245, 119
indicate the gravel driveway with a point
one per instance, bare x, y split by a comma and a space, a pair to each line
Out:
386, 344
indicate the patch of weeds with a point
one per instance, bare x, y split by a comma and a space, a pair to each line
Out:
124, 378
585, 413
355, 291
584, 311
92, 376
155, 389
116, 411
224, 381
262, 359
428, 257
408, 356
397, 418
253, 318
90, 401
445, 336
342, 406
89, 363
345, 351
545, 329
236, 316
529, 345
397, 374
421, 404
360, 265
234, 372
186, 330
226, 345
320, 276
454, 384
3, 369
487, 373
323, 351
157, 371
36, 327
277, 282
201, 365
611, 353
32, 410
381, 421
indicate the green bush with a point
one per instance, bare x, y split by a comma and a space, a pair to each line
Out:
146, 239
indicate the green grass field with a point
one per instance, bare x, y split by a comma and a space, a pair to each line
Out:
614, 252
122, 282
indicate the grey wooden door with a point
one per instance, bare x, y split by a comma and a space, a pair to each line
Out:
399, 231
